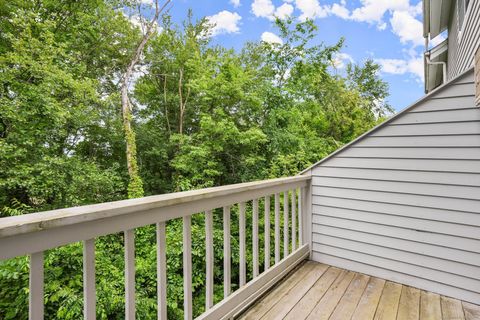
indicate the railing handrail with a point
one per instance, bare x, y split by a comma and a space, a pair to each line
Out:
10, 226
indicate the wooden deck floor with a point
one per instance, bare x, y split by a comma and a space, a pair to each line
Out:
318, 291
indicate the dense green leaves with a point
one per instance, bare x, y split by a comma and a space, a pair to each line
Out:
203, 116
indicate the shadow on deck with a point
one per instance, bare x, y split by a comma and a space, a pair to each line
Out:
318, 291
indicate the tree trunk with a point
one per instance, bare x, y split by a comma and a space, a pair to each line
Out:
135, 185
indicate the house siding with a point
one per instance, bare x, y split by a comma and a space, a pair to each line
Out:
463, 45
403, 202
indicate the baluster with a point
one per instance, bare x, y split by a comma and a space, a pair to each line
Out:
285, 224
36, 286
277, 227
267, 232
161, 271
243, 268
255, 236
294, 222
226, 252
89, 294
209, 258
129, 274
187, 267
300, 217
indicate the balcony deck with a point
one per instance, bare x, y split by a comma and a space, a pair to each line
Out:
318, 291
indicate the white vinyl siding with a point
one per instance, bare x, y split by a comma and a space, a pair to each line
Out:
403, 202
463, 44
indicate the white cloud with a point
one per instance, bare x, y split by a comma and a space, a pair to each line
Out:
235, 3
271, 38
340, 60
225, 22
263, 8
310, 9
412, 65
373, 11
340, 10
284, 11
407, 28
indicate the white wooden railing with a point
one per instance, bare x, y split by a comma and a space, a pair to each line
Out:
34, 233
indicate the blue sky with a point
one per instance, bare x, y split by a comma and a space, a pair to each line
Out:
388, 31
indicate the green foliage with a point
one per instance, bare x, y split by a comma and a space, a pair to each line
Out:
202, 116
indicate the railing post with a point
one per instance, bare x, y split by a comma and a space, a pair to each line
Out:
277, 228
255, 237
307, 216
241, 223
187, 268
129, 274
294, 221
36, 286
89, 294
209, 259
161, 271
267, 232
226, 252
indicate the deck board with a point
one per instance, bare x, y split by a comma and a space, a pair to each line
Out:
318, 291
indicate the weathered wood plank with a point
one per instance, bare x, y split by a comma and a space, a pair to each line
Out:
472, 311
303, 307
350, 299
388, 305
329, 301
409, 307
430, 308
368, 303
451, 309
267, 302
288, 301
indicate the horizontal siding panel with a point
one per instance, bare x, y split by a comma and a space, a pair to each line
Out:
455, 90
467, 78
429, 129
447, 103
466, 179
414, 152
456, 217
399, 221
471, 260
401, 266
439, 116
422, 141
437, 190
442, 265
402, 233
400, 198
468, 166
401, 277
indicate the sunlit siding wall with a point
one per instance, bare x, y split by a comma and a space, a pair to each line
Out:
403, 203
463, 44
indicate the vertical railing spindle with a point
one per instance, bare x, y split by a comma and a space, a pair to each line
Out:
267, 232
277, 227
209, 259
241, 223
226, 252
285, 224
294, 222
89, 295
255, 236
129, 274
161, 271
300, 217
187, 268
36, 286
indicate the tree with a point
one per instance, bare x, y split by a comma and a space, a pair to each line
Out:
135, 185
